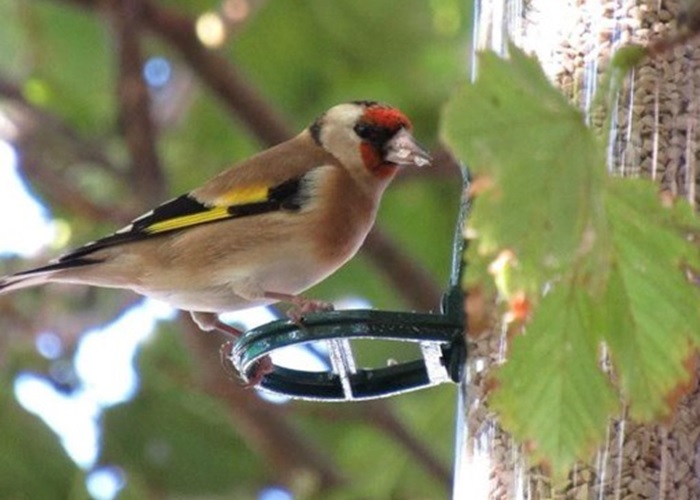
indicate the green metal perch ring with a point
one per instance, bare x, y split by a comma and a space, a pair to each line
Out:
440, 337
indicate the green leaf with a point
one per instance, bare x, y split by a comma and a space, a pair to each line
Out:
613, 259
652, 316
552, 392
627, 57
539, 171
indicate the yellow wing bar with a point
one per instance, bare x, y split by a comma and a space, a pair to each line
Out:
213, 214
243, 196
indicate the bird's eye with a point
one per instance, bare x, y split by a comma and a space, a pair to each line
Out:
364, 131
373, 134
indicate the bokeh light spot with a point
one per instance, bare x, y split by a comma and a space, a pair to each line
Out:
157, 72
105, 483
275, 493
49, 345
211, 29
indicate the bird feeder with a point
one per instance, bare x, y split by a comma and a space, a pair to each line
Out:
438, 335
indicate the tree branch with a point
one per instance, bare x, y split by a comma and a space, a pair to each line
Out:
417, 286
134, 107
84, 149
37, 127
224, 79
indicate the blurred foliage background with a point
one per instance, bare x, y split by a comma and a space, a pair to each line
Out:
99, 144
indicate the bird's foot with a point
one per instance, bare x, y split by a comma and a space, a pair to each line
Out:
262, 367
300, 305
210, 322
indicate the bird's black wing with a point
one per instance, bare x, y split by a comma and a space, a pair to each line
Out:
185, 212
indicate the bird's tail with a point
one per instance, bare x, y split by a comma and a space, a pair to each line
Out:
15, 282
39, 275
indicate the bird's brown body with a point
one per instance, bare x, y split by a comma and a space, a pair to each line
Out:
264, 230
247, 256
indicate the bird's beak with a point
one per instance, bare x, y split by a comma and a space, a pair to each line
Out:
403, 150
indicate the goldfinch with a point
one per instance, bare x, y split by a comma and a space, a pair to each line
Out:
262, 231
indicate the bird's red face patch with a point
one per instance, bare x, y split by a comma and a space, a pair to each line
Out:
372, 158
386, 117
